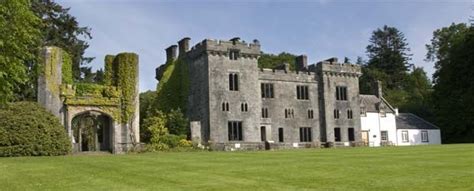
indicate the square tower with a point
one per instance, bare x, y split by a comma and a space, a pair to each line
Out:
225, 91
339, 106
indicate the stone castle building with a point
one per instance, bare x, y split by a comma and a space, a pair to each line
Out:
233, 104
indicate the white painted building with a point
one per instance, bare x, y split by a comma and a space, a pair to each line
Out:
381, 124
413, 130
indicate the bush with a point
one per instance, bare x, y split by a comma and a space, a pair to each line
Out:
171, 140
27, 129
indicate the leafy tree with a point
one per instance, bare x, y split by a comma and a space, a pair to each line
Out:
452, 49
177, 123
19, 40
155, 128
273, 61
146, 101
62, 29
388, 52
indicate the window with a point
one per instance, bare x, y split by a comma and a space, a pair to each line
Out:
337, 134
235, 130
225, 106
289, 113
424, 136
244, 107
383, 135
280, 135
310, 114
363, 112
267, 90
302, 92
405, 136
234, 54
264, 112
382, 113
341, 93
234, 82
351, 134
349, 114
305, 134
336, 114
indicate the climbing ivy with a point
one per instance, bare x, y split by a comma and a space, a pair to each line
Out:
126, 81
109, 77
67, 69
172, 91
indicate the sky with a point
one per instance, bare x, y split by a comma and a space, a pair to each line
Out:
320, 29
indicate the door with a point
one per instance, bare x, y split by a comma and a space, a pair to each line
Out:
263, 133
365, 137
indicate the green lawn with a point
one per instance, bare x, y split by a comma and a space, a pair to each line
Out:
445, 167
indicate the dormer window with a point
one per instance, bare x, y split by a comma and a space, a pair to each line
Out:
234, 54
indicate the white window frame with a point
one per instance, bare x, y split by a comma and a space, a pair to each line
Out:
423, 137
405, 137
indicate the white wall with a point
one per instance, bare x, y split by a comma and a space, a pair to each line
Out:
414, 136
374, 123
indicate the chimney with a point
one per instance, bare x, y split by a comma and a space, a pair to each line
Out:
235, 40
301, 63
332, 60
183, 45
378, 90
171, 53
287, 67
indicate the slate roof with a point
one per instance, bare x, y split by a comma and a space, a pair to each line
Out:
411, 121
370, 103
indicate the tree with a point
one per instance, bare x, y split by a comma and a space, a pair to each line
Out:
388, 52
177, 123
62, 29
19, 40
452, 49
273, 61
146, 101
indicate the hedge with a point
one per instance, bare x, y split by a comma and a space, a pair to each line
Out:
27, 129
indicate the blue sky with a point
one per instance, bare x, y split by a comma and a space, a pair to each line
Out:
320, 29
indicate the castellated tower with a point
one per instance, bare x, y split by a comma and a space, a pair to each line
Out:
224, 90
339, 106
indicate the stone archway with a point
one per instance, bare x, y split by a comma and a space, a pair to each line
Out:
92, 131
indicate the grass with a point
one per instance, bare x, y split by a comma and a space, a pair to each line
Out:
443, 167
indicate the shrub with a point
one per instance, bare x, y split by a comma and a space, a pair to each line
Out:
185, 143
27, 129
171, 140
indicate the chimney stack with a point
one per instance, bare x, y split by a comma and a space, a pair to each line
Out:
301, 63
378, 90
183, 45
171, 53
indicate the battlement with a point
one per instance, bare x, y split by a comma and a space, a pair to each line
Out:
332, 67
222, 47
286, 75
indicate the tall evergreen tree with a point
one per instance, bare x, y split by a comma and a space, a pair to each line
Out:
62, 29
388, 52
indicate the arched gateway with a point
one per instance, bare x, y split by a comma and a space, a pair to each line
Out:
97, 117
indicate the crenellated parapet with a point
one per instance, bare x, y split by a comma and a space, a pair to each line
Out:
224, 48
331, 67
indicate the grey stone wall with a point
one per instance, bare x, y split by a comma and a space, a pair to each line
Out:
332, 74
209, 67
285, 97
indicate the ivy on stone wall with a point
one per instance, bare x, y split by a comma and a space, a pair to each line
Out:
109, 77
172, 91
67, 77
127, 64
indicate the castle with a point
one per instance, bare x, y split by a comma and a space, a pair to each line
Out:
234, 105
